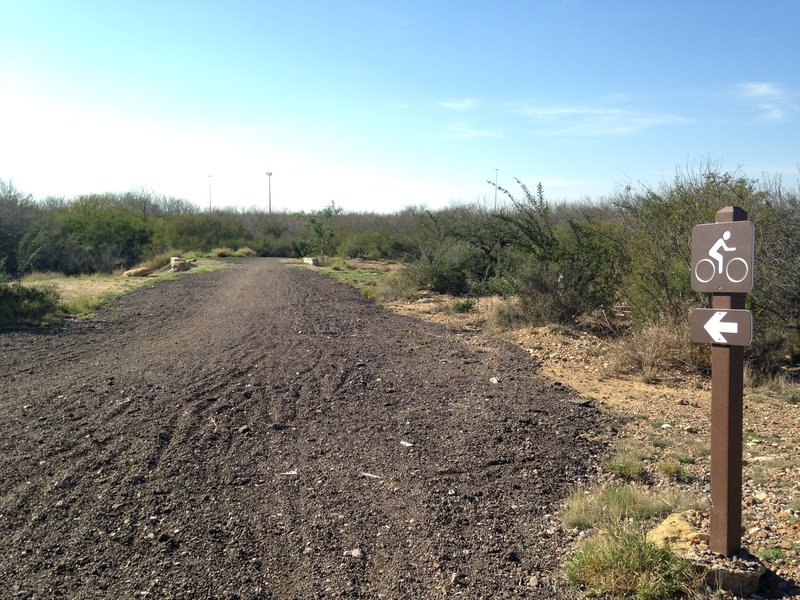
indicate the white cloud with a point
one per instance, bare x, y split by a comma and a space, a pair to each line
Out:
591, 121
761, 90
458, 105
773, 102
465, 131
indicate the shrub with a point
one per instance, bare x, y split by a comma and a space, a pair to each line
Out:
565, 269
21, 305
658, 348
223, 252
463, 305
452, 269
401, 284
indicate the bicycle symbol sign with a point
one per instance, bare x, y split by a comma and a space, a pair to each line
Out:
722, 257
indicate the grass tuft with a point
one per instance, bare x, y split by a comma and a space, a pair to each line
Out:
674, 470
622, 563
612, 505
625, 465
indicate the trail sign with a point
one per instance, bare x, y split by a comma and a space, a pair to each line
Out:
722, 257
722, 263
732, 327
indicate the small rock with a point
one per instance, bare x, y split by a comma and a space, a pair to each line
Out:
494, 380
406, 444
244, 429
666, 426
354, 553
533, 581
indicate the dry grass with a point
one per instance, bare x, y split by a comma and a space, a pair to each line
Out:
659, 348
612, 505
82, 294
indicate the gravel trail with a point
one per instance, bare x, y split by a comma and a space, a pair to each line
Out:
264, 432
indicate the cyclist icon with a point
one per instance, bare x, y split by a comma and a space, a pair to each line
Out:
735, 271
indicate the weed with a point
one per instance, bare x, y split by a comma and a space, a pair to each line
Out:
770, 554
463, 305
674, 470
795, 506
223, 252
660, 443
649, 378
626, 465
614, 504
622, 563
683, 458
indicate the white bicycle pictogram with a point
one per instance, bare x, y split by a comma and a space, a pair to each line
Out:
705, 270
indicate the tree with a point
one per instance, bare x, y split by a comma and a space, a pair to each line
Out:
321, 224
17, 215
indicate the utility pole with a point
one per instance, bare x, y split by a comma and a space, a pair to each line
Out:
269, 180
209, 193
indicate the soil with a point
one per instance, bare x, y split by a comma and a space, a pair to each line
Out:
264, 432
666, 419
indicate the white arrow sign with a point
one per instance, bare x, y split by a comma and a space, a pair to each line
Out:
716, 327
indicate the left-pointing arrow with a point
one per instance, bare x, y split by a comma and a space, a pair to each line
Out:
715, 327
708, 326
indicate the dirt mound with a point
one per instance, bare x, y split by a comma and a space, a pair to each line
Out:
265, 432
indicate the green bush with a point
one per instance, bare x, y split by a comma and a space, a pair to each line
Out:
21, 305
463, 305
565, 269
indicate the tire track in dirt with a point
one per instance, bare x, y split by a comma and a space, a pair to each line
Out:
233, 434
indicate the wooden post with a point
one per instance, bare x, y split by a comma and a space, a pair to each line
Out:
727, 384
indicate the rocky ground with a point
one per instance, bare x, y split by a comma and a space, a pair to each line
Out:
263, 432
665, 422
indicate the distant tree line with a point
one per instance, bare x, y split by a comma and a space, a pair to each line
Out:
560, 262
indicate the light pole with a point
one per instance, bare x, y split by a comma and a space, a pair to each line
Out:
209, 193
269, 180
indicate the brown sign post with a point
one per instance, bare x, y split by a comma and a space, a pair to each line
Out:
722, 263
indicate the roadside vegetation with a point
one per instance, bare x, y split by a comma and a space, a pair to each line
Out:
619, 265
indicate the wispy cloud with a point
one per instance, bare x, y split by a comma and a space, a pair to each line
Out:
461, 105
466, 131
596, 121
773, 102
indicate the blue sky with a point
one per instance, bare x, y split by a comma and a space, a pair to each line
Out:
380, 105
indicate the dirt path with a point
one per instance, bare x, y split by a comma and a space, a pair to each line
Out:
263, 432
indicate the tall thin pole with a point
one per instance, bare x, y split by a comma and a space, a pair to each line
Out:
209, 193
269, 180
